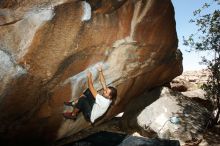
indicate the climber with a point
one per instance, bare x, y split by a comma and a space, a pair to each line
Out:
90, 103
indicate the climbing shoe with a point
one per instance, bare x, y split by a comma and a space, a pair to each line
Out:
69, 103
69, 115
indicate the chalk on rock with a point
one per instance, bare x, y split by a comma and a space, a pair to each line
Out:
87, 11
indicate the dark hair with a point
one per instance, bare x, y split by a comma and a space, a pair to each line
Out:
113, 93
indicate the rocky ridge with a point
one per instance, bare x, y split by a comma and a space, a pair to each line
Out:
190, 80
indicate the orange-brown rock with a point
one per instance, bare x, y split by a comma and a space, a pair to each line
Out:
46, 47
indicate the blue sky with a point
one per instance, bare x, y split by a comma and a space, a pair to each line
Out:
183, 13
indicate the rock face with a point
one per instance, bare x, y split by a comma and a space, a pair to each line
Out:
46, 47
171, 116
141, 141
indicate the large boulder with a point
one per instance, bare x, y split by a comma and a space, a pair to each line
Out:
46, 47
171, 116
142, 141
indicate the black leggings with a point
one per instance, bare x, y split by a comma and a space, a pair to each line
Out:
85, 104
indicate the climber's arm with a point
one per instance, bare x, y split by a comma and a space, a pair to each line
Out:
90, 84
102, 78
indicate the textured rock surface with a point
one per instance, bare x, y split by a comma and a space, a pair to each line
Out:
141, 141
190, 80
46, 46
172, 115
